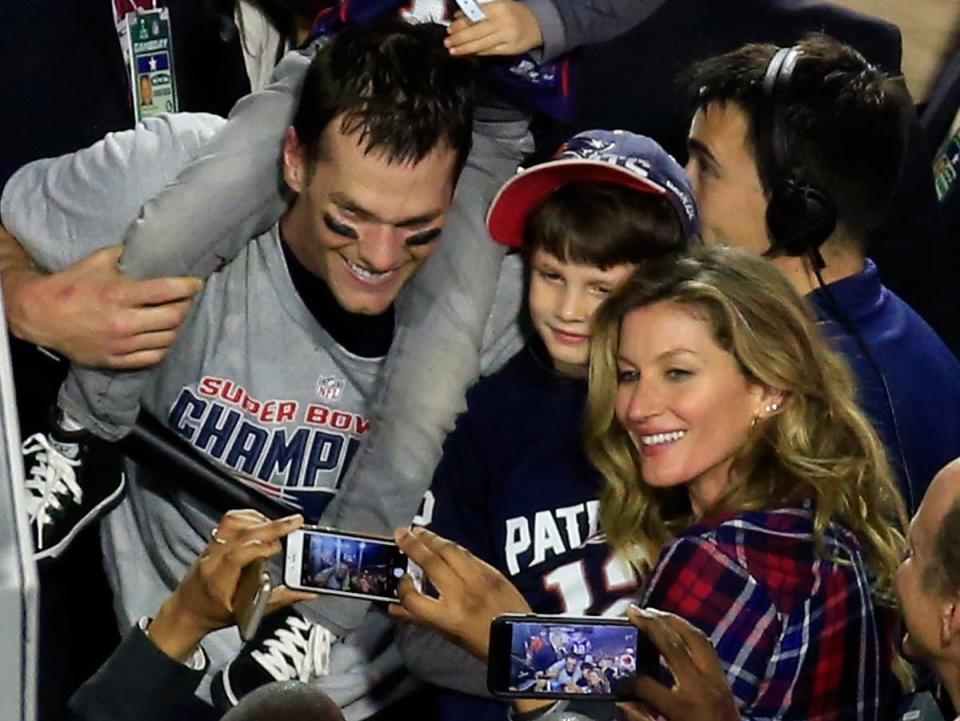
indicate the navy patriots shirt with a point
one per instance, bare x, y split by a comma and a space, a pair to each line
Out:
515, 487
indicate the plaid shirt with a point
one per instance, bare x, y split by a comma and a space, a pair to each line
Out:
796, 631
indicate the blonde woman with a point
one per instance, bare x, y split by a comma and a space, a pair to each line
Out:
735, 455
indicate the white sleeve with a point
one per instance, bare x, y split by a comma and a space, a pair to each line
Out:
62, 209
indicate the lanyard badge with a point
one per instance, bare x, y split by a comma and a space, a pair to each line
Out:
148, 48
946, 169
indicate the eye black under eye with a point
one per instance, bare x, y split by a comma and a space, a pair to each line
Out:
423, 238
339, 228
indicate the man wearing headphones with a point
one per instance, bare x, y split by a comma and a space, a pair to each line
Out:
794, 153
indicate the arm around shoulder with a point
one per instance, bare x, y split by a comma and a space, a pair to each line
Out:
18, 277
89, 312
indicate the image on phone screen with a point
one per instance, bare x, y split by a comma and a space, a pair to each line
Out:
344, 564
559, 658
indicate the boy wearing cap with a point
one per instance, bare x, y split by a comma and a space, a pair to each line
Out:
514, 485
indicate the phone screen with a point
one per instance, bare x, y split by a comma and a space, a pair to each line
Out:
566, 658
344, 564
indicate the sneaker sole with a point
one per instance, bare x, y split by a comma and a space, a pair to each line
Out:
101, 509
221, 692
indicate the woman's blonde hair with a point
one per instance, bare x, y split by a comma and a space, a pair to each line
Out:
819, 445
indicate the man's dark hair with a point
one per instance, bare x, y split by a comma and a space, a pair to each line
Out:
842, 118
604, 224
393, 83
943, 573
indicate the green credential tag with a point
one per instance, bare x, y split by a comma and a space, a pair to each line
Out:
151, 63
946, 169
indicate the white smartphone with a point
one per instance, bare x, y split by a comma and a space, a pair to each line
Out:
356, 565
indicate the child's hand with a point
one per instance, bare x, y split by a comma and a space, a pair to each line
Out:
511, 28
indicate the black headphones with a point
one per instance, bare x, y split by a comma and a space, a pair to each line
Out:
800, 216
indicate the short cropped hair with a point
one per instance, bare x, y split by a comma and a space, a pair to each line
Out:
604, 224
841, 115
943, 573
396, 85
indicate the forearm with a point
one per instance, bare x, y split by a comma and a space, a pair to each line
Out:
588, 22
552, 28
21, 281
63, 209
431, 657
138, 683
173, 634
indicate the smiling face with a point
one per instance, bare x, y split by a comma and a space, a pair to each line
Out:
723, 171
920, 607
361, 224
930, 617
683, 400
563, 299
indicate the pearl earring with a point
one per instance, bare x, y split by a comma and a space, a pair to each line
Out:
771, 407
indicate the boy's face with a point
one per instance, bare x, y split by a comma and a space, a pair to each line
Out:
563, 300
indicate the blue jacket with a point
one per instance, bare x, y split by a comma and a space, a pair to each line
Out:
920, 422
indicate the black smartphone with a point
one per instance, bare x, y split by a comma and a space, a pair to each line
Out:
324, 560
565, 656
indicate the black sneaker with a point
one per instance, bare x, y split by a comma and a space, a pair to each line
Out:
72, 479
287, 647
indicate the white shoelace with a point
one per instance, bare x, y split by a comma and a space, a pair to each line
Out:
52, 477
301, 651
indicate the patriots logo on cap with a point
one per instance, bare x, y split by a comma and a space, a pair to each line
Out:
603, 151
586, 148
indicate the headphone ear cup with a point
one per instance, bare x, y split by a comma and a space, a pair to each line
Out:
799, 218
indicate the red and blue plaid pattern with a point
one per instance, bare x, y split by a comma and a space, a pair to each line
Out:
795, 629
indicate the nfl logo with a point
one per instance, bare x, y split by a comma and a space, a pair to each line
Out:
329, 388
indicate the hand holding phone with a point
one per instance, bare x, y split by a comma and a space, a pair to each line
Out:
701, 691
205, 598
341, 563
566, 657
470, 591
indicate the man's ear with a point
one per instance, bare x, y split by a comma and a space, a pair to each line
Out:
294, 161
950, 622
